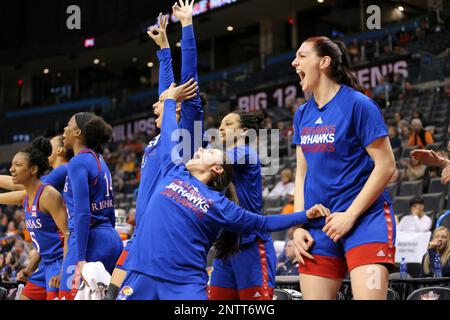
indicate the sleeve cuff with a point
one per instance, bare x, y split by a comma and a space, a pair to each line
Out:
188, 32
163, 54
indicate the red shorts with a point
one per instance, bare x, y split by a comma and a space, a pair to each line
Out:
35, 292
371, 241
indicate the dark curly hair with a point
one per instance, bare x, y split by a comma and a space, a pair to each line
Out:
96, 132
38, 153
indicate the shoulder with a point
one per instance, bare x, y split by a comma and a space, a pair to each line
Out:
60, 170
49, 195
83, 160
357, 100
301, 109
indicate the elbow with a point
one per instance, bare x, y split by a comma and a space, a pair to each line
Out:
391, 168
388, 168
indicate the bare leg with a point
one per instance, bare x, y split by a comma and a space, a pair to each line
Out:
319, 288
370, 282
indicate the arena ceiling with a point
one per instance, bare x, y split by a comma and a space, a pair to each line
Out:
34, 34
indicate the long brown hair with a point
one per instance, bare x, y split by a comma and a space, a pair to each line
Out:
340, 60
445, 254
226, 243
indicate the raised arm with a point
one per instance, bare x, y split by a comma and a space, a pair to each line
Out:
191, 110
159, 35
7, 184
169, 122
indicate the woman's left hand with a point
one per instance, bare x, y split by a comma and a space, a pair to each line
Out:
338, 224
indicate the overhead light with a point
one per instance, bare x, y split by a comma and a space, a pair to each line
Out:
178, 44
134, 59
46, 70
401, 8
230, 28
150, 64
96, 61
320, 1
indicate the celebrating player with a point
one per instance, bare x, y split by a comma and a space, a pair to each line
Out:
249, 274
184, 216
89, 186
45, 216
191, 111
344, 161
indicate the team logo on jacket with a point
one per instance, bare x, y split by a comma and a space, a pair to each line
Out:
318, 138
125, 292
188, 196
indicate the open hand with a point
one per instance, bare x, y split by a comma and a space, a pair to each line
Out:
183, 11
159, 34
183, 92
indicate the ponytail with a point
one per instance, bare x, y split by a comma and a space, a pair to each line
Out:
340, 60
343, 74
226, 244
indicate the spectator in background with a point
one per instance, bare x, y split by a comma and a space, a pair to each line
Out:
418, 115
284, 186
395, 140
130, 163
12, 266
2, 261
3, 224
439, 244
398, 118
290, 265
404, 132
12, 228
20, 252
414, 170
416, 221
418, 136
289, 206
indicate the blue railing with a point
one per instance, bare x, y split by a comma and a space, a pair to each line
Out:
442, 217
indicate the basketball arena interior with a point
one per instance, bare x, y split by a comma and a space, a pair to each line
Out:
65, 58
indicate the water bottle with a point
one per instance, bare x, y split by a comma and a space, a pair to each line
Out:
403, 269
437, 266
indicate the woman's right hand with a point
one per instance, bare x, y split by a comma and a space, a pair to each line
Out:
303, 242
433, 245
183, 92
158, 34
